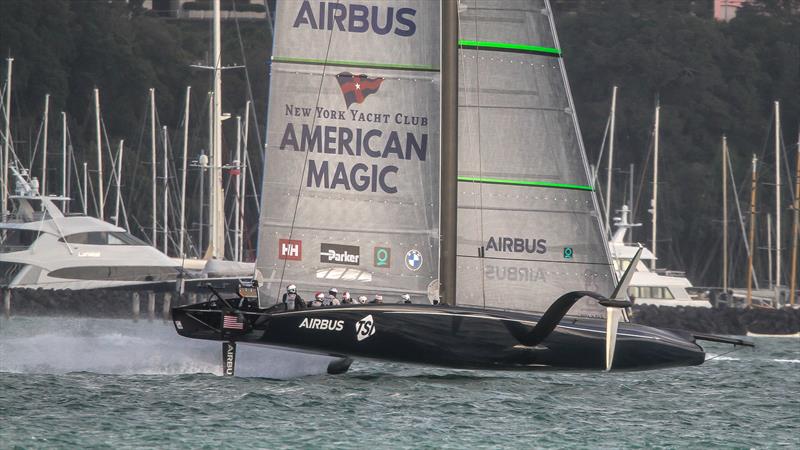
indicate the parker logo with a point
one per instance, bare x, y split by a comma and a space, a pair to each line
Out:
383, 257
365, 328
290, 249
322, 324
348, 255
356, 88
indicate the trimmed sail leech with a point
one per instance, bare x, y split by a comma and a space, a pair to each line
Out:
528, 230
350, 192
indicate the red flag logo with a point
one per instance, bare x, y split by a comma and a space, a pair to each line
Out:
356, 88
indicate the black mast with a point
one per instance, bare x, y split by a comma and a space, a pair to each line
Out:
449, 152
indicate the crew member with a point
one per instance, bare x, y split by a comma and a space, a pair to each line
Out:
331, 300
378, 299
405, 298
292, 300
346, 298
318, 299
333, 292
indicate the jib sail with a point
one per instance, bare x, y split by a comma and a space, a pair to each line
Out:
528, 223
350, 191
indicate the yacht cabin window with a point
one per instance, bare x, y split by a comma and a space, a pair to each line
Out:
13, 240
103, 238
656, 292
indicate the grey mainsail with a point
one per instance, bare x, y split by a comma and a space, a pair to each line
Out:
528, 223
350, 190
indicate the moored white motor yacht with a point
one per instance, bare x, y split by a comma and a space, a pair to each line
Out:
40, 247
661, 288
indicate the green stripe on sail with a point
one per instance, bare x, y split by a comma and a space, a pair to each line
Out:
546, 184
505, 46
364, 64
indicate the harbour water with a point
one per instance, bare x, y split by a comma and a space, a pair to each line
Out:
119, 384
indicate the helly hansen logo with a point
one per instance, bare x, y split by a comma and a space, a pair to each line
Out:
290, 249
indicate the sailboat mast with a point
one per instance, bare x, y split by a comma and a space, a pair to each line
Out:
752, 233
238, 190
166, 191
7, 140
777, 193
449, 164
154, 232
243, 178
182, 229
795, 226
85, 189
610, 160
654, 203
119, 182
65, 206
724, 214
770, 283
101, 202
217, 244
44, 143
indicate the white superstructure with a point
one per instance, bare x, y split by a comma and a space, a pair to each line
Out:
662, 288
42, 248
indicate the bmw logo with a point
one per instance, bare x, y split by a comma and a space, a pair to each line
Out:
413, 260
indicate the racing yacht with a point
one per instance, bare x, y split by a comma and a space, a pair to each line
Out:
431, 149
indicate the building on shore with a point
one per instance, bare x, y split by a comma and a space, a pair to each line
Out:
203, 9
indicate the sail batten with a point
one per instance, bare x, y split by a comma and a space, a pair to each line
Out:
508, 47
525, 183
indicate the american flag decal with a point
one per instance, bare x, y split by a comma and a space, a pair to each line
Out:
231, 322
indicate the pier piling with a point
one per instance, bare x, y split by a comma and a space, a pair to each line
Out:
7, 303
136, 306
167, 307
151, 305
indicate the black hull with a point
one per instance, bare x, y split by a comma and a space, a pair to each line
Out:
456, 337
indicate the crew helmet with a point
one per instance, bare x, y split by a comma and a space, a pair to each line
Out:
346, 295
319, 296
333, 291
406, 298
292, 289
362, 299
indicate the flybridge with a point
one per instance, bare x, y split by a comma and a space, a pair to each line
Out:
355, 18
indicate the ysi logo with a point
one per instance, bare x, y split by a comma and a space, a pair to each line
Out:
365, 328
322, 324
